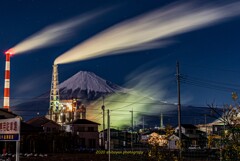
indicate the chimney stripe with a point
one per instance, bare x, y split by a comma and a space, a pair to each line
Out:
7, 74
7, 83
6, 102
7, 57
7, 64
6, 92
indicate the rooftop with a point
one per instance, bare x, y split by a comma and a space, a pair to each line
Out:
40, 121
83, 121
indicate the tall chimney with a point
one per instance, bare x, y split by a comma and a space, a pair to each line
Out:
161, 122
54, 109
6, 102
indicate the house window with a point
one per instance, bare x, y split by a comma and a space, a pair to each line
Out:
90, 129
81, 129
190, 131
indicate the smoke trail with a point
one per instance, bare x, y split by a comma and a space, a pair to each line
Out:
141, 32
54, 34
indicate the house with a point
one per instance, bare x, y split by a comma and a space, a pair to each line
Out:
47, 125
6, 114
87, 132
218, 127
26, 130
173, 142
119, 139
187, 129
192, 136
207, 128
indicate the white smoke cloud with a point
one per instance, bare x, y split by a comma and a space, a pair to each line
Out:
55, 33
141, 32
147, 94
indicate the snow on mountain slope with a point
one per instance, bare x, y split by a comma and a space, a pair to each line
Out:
86, 84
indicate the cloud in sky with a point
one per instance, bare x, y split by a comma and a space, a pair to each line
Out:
147, 95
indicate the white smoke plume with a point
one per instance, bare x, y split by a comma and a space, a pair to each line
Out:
141, 32
55, 33
146, 91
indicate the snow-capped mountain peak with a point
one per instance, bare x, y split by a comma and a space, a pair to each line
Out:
85, 83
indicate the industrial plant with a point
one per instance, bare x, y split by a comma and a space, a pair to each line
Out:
63, 111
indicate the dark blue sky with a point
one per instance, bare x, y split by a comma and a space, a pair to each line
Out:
209, 57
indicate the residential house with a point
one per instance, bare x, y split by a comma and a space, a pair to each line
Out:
6, 114
194, 137
87, 132
118, 139
26, 131
173, 142
47, 125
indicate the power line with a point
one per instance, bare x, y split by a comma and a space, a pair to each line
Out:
209, 81
211, 68
209, 84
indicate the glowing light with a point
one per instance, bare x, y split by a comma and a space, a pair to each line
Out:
54, 34
10, 51
69, 107
142, 32
157, 140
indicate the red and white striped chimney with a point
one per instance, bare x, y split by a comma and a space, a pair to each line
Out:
6, 103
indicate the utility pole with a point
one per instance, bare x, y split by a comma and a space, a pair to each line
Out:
205, 115
103, 112
179, 110
108, 136
132, 129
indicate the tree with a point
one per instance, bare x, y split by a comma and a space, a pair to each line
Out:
158, 146
230, 136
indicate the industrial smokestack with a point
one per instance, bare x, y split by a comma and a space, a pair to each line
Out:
54, 109
161, 122
6, 102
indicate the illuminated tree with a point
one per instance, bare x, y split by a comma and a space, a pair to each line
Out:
230, 136
158, 144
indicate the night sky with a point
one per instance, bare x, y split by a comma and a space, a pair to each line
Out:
209, 57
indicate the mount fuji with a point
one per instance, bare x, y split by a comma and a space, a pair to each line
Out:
87, 85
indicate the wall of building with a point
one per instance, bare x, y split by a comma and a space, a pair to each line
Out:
88, 134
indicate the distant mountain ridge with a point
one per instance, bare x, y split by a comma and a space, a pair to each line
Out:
89, 87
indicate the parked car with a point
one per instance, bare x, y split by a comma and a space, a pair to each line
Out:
194, 147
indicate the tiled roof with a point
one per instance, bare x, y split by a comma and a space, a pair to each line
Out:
189, 126
39, 121
83, 121
6, 111
26, 128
